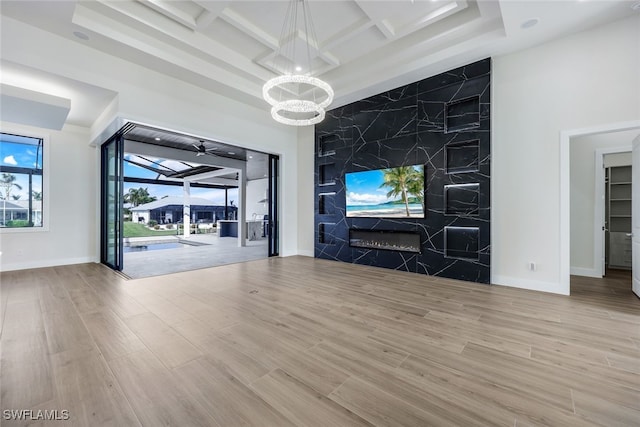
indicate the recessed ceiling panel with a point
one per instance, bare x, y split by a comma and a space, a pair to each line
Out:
224, 45
359, 44
221, 30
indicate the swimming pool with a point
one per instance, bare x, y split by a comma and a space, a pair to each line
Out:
142, 247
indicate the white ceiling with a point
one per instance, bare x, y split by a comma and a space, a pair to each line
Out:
363, 47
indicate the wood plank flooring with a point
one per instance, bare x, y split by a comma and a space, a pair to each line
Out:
304, 342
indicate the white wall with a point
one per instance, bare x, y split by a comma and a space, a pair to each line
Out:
150, 97
583, 151
583, 80
70, 237
306, 165
256, 191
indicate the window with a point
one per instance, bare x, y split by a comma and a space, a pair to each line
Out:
21, 181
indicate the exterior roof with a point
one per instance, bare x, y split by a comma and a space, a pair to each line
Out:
36, 205
172, 200
11, 206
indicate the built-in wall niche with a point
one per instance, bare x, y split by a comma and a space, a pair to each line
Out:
462, 242
327, 145
406, 126
462, 199
463, 114
327, 203
388, 240
327, 174
326, 233
462, 157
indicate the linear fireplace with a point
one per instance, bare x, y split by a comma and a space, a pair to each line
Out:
387, 240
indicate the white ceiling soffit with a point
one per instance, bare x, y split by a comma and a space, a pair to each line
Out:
18, 105
364, 46
87, 101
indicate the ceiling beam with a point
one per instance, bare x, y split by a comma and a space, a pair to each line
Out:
169, 153
207, 175
171, 12
212, 11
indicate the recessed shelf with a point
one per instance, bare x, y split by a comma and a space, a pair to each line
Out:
327, 174
326, 203
325, 233
620, 175
462, 199
462, 157
462, 243
463, 114
327, 145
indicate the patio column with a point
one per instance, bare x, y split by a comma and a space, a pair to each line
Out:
186, 208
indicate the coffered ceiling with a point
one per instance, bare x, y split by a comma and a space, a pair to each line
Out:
363, 46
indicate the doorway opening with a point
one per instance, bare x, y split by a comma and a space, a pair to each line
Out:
617, 206
173, 202
582, 227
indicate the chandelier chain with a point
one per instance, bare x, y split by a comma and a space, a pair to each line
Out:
301, 99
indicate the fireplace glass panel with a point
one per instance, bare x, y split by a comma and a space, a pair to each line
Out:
385, 240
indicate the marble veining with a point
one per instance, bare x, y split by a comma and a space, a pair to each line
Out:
408, 126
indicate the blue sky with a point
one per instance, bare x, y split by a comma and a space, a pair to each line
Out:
363, 188
23, 156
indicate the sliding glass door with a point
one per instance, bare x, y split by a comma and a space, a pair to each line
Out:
111, 203
273, 205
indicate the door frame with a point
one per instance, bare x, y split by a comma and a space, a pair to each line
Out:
117, 208
565, 191
599, 208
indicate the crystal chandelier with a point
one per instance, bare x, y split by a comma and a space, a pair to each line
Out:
296, 97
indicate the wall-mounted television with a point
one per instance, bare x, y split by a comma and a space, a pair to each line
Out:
386, 193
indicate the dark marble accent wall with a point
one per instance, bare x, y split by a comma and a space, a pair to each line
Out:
442, 122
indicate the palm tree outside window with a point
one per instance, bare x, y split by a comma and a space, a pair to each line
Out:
21, 181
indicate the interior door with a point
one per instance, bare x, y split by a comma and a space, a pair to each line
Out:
635, 215
111, 203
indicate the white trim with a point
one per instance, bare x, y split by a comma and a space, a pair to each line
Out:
47, 263
306, 253
533, 285
599, 210
565, 191
586, 272
46, 174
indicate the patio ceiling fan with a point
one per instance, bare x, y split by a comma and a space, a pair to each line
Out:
201, 149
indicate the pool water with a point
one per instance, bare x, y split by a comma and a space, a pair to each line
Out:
138, 247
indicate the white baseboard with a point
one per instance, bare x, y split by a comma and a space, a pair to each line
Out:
306, 253
534, 285
587, 272
45, 263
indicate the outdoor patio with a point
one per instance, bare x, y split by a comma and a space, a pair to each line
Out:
201, 251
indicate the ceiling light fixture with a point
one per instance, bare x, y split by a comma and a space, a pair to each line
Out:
297, 99
157, 139
81, 35
529, 23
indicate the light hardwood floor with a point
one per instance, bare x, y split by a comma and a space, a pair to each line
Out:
304, 342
